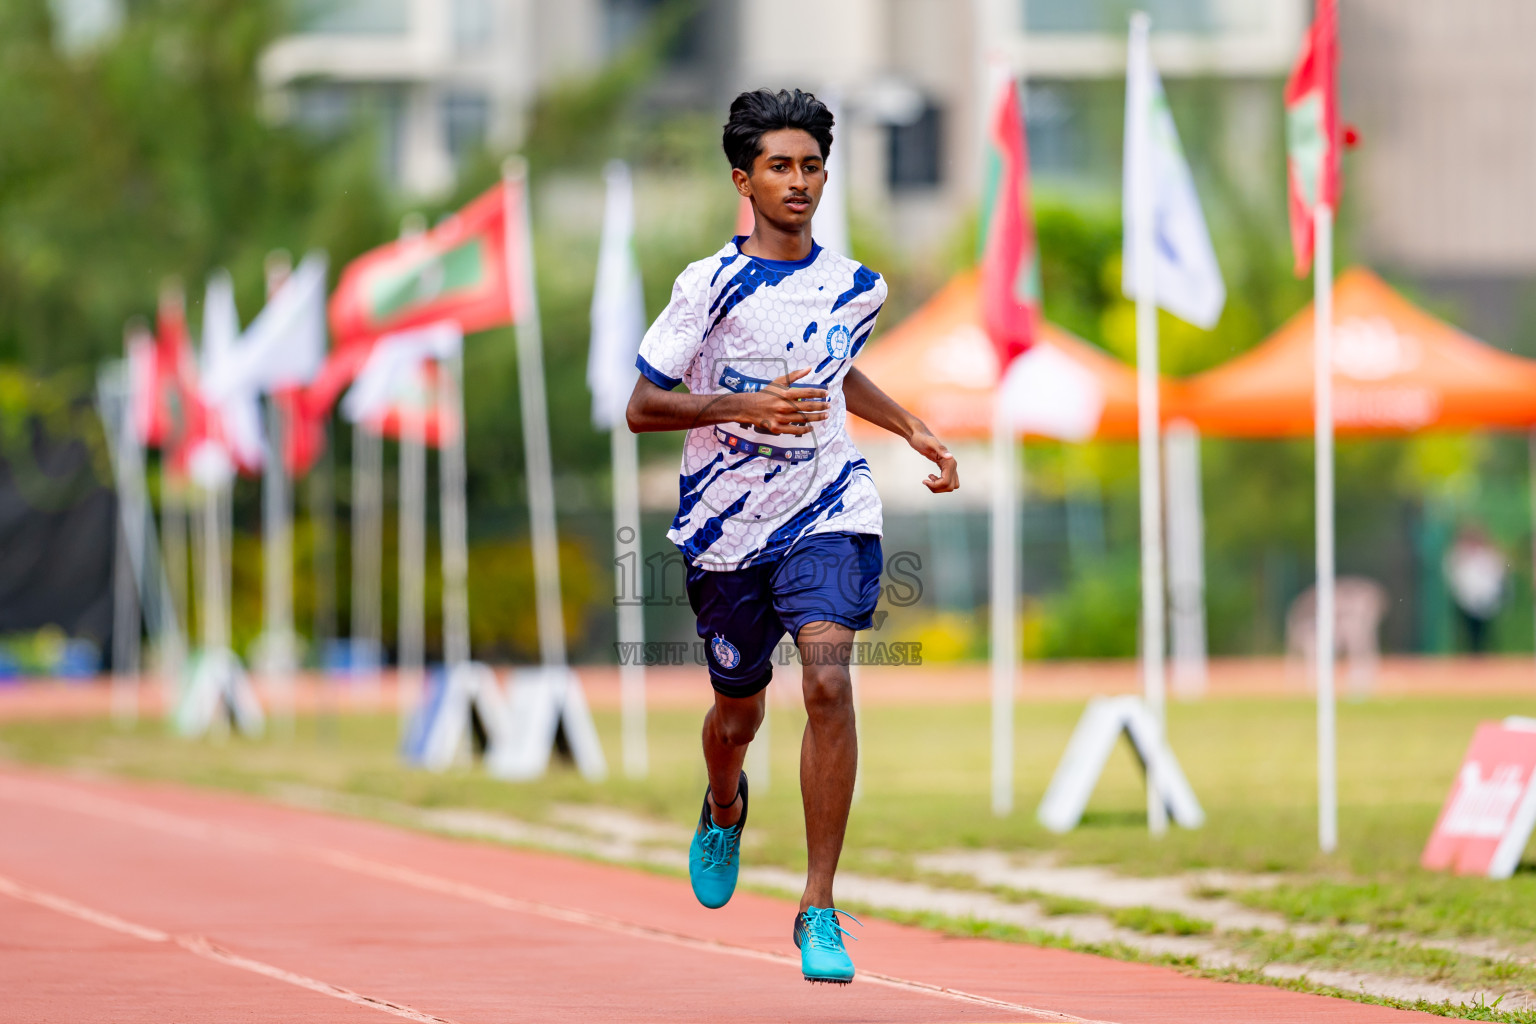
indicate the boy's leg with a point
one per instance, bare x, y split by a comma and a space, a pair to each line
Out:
728, 727
829, 753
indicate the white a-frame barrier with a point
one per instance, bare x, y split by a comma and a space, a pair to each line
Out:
544, 706
1094, 739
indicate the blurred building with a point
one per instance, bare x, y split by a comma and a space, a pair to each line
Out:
441, 77
436, 79
912, 74
1436, 190
1440, 186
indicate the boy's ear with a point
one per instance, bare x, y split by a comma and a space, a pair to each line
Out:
743, 182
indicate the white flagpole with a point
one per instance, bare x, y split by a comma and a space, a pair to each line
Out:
226, 537
530, 362
277, 544
174, 526
1531, 475
626, 542
1004, 600
618, 321
1148, 426
321, 495
993, 70
1322, 305
1186, 559
215, 626
411, 550
367, 498
127, 581
411, 616
453, 526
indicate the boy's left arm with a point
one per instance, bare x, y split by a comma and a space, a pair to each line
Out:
868, 402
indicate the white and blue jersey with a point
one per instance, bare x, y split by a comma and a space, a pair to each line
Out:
735, 323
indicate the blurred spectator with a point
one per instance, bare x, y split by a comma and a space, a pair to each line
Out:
1475, 571
1359, 605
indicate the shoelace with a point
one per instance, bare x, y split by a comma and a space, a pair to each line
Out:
824, 931
720, 845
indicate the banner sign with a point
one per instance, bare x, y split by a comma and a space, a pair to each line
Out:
1488, 817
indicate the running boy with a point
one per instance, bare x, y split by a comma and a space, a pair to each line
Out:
778, 517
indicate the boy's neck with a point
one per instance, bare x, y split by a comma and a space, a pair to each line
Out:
769, 242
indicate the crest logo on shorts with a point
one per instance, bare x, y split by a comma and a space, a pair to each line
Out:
725, 653
838, 341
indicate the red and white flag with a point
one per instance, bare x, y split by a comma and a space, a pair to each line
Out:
1312, 133
457, 271
1010, 263
164, 376
460, 272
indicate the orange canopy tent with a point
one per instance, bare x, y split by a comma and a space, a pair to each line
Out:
939, 364
1396, 369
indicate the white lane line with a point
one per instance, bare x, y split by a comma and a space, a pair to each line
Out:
200, 946
489, 898
128, 812
79, 910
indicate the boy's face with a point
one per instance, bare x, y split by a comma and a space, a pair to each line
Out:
787, 178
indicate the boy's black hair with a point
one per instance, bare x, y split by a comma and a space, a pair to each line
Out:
753, 114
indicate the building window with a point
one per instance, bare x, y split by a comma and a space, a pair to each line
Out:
466, 120
1074, 130
1054, 130
348, 17
689, 45
915, 150
329, 111
474, 25
322, 109
1194, 16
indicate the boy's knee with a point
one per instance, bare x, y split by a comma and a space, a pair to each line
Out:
828, 689
738, 727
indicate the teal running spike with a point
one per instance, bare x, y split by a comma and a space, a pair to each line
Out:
714, 859
820, 938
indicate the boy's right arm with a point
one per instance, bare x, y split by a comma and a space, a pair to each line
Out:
779, 408
666, 352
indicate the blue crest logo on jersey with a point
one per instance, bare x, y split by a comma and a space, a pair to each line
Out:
838, 341
725, 653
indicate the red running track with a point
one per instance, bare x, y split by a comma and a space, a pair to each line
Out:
128, 902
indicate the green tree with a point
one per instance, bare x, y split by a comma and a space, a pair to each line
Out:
150, 157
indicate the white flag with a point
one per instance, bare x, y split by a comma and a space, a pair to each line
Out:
393, 363
285, 344
618, 305
1186, 278
237, 412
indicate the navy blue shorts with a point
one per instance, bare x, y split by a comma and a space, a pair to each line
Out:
743, 614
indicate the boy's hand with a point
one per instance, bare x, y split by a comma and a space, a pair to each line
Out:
931, 448
782, 409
